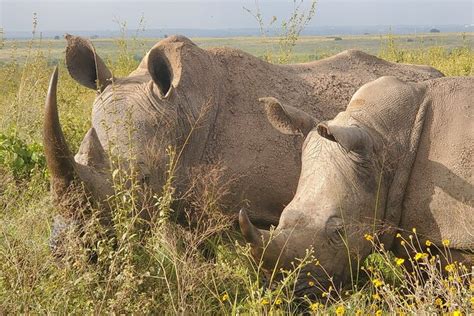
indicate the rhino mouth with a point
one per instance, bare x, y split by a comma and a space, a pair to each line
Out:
312, 285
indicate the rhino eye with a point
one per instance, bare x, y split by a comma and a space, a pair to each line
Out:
335, 230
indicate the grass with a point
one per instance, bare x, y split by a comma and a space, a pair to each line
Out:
160, 266
307, 48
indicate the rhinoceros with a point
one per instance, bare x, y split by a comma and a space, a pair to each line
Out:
205, 104
399, 157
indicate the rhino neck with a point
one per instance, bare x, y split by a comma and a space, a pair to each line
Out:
439, 200
402, 173
399, 129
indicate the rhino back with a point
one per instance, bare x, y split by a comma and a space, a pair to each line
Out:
265, 162
440, 195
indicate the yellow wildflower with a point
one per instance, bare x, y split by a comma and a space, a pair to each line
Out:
472, 302
402, 242
449, 267
358, 312
315, 306
398, 235
457, 313
311, 283
399, 261
438, 302
278, 301
225, 297
264, 301
428, 243
414, 230
446, 242
376, 297
419, 256
325, 294
369, 237
377, 282
340, 310
378, 312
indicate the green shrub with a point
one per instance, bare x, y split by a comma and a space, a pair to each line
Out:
20, 158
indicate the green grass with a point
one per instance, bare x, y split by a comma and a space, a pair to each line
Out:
307, 48
163, 269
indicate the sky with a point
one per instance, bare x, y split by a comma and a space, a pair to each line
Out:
71, 15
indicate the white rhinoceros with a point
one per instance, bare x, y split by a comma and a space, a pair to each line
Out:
205, 104
400, 157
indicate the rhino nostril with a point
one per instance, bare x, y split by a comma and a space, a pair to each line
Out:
145, 180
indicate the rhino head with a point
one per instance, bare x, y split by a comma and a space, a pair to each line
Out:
166, 101
346, 191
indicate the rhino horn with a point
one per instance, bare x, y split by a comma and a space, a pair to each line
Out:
264, 246
91, 152
58, 157
251, 234
258, 239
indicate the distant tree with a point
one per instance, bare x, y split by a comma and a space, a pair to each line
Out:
94, 36
165, 36
336, 38
434, 31
56, 37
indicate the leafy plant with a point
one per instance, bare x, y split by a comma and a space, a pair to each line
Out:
20, 158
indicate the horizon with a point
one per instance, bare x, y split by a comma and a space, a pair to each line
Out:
322, 31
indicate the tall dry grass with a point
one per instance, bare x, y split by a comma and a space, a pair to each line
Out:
199, 266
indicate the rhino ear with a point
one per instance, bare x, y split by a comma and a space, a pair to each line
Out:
287, 119
351, 138
160, 70
84, 65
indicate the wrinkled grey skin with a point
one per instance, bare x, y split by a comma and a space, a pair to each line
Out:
204, 103
399, 157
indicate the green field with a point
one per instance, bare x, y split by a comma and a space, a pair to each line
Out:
307, 48
163, 270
